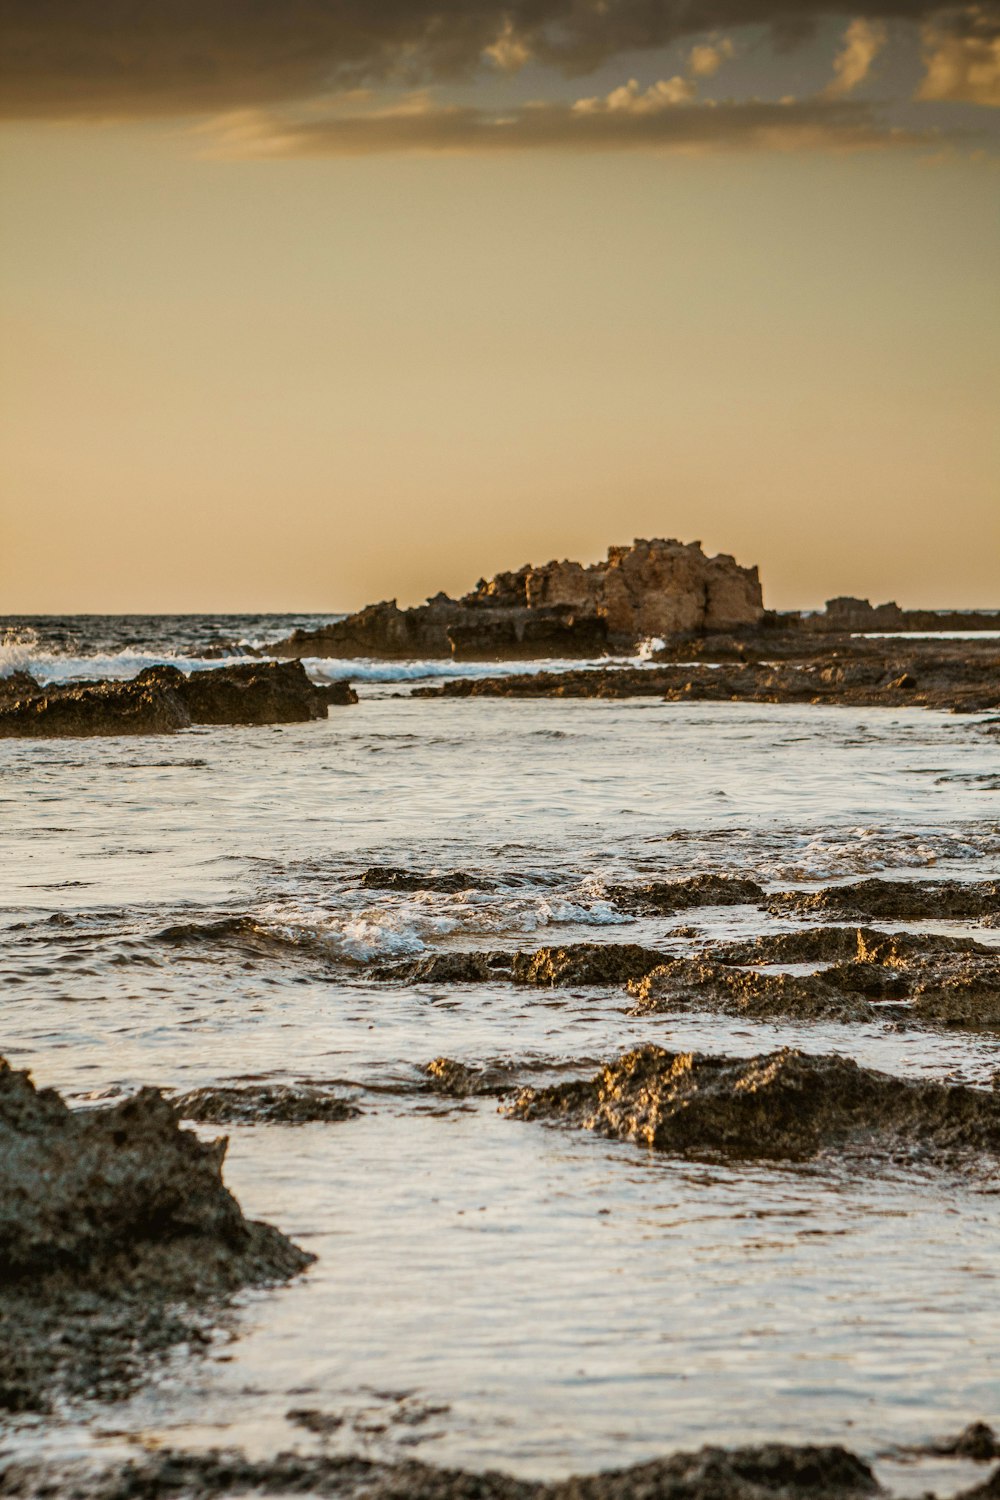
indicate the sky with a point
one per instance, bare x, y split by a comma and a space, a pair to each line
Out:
307, 303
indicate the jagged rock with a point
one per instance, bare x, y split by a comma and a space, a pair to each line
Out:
962, 676
263, 1104
162, 699
922, 977
785, 1104
108, 1218
651, 588
584, 963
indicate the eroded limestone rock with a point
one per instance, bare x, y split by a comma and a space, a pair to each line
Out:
784, 1104
109, 1219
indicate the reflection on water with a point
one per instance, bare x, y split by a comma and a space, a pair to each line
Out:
554, 1301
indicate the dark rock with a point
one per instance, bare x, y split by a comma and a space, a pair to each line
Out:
959, 675
457, 1080
263, 1104
894, 900
162, 699
451, 968
107, 1218
392, 878
772, 1471
680, 895
785, 1104
977, 1441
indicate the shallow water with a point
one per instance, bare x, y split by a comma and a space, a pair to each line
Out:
568, 1303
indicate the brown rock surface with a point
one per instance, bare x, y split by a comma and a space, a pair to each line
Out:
651, 588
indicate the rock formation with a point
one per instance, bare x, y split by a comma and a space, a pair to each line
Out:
162, 699
112, 1221
785, 1104
651, 588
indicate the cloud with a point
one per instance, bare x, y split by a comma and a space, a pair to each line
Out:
863, 41
123, 58
962, 57
509, 52
706, 59
631, 99
420, 126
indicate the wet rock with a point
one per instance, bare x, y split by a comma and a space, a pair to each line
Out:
263, 1104
773, 1471
977, 1441
927, 978
109, 1217
784, 1104
844, 945
458, 1080
392, 878
584, 963
449, 968
681, 983
162, 699
800, 668
680, 895
894, 900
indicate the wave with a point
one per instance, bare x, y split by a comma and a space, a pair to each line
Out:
23, 651
368, 669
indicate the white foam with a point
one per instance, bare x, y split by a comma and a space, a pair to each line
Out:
369, 669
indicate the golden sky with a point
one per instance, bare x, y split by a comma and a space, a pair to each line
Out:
295, 318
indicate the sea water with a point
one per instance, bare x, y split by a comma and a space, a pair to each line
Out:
490, 1292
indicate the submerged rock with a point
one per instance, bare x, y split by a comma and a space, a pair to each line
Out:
163, 699
894, 900
458, 1080
680, 895
770, 1471
784, 1104
264, 1104
584, 963
393, 878
107, 1218
767, 668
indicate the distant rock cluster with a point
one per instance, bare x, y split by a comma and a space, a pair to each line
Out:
649, 589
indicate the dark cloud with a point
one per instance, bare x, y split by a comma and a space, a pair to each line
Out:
622, 121
115, 58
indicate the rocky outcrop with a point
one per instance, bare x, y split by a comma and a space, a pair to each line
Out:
108, 1219
963, 676
651, 588
264, 1104
849, 613
163, 699
768, 1471
782, 1105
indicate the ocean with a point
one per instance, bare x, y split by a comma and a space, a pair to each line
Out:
489, 1292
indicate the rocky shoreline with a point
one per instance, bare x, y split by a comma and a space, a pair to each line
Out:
163, 699
770, 1471
118, 1240
958, 676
